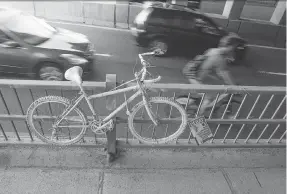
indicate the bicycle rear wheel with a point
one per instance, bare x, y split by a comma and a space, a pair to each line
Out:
42, 114
167, 130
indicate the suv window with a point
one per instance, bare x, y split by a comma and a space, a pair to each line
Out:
188, 21
161, 16
206, 26
3, 37
172, 18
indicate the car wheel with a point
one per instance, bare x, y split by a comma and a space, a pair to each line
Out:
159, 44
50, 72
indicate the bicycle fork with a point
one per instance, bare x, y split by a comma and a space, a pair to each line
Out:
149, 111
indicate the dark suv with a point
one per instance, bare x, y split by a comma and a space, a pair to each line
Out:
174, 27
28, 45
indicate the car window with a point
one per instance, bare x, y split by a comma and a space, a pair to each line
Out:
206, 26
160, 16
3, 37
188, 21
30, 29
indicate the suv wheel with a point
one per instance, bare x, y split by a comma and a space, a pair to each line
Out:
51, 72
159, 44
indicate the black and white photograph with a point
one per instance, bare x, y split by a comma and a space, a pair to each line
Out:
143, 97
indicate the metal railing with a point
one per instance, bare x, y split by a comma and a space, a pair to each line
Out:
259, 119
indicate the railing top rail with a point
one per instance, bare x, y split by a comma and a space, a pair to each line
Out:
40, 84
220, 88
90, 85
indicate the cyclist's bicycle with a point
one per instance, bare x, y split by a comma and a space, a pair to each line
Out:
71, 112
192, 103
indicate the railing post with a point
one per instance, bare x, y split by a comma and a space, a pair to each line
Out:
111, 105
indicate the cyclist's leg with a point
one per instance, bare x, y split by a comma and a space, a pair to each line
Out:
206, 100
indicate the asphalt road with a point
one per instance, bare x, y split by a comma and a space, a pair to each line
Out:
117, 54
119, 44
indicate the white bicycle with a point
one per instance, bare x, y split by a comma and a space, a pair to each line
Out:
62, 133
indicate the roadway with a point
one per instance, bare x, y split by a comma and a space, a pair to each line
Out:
117, 54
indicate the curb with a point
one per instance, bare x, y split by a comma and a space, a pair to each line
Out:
88, 157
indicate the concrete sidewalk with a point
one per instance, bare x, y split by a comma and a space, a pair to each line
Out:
114, 181
48, 169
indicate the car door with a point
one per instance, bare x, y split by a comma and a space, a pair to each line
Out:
14, 58
186, 33
158, 23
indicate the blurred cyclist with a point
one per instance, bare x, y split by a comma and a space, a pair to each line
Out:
211, 68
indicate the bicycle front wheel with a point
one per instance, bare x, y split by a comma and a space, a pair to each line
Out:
167, 128
42, 114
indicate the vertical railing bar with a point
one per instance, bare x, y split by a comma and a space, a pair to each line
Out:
275, 130
217, 128
3, 132
141, 124
22, 111
282, 137
127, 137
153, 130
275, 113
94, 105
261, 115
167, 125
250, 112
188, 98
197, 112
213, 107
235, 117
50, 108
12, 122
36, 110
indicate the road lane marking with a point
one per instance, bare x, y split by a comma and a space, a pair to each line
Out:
127, 30
103, 55
272, 73
267, 47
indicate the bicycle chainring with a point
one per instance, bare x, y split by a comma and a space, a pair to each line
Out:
95, 124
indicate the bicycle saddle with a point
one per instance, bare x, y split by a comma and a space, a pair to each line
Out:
74, 74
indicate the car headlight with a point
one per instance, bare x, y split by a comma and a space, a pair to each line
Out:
74, 59
91, 47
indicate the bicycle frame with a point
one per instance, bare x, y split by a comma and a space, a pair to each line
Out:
109, 93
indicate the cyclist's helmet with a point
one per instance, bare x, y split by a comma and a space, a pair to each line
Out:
229, 40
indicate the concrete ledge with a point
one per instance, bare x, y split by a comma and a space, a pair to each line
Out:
88, 157
117, 15
67, 11
122, 13
98, 13
258, 33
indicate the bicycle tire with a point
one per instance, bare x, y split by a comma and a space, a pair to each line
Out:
223, 104
162, 100
57, 99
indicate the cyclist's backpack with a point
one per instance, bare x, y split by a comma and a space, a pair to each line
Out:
191, 68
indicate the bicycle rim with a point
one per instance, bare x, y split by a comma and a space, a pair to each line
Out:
43, 112
167, 130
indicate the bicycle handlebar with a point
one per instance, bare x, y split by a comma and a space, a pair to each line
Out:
145, 63
153, 80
